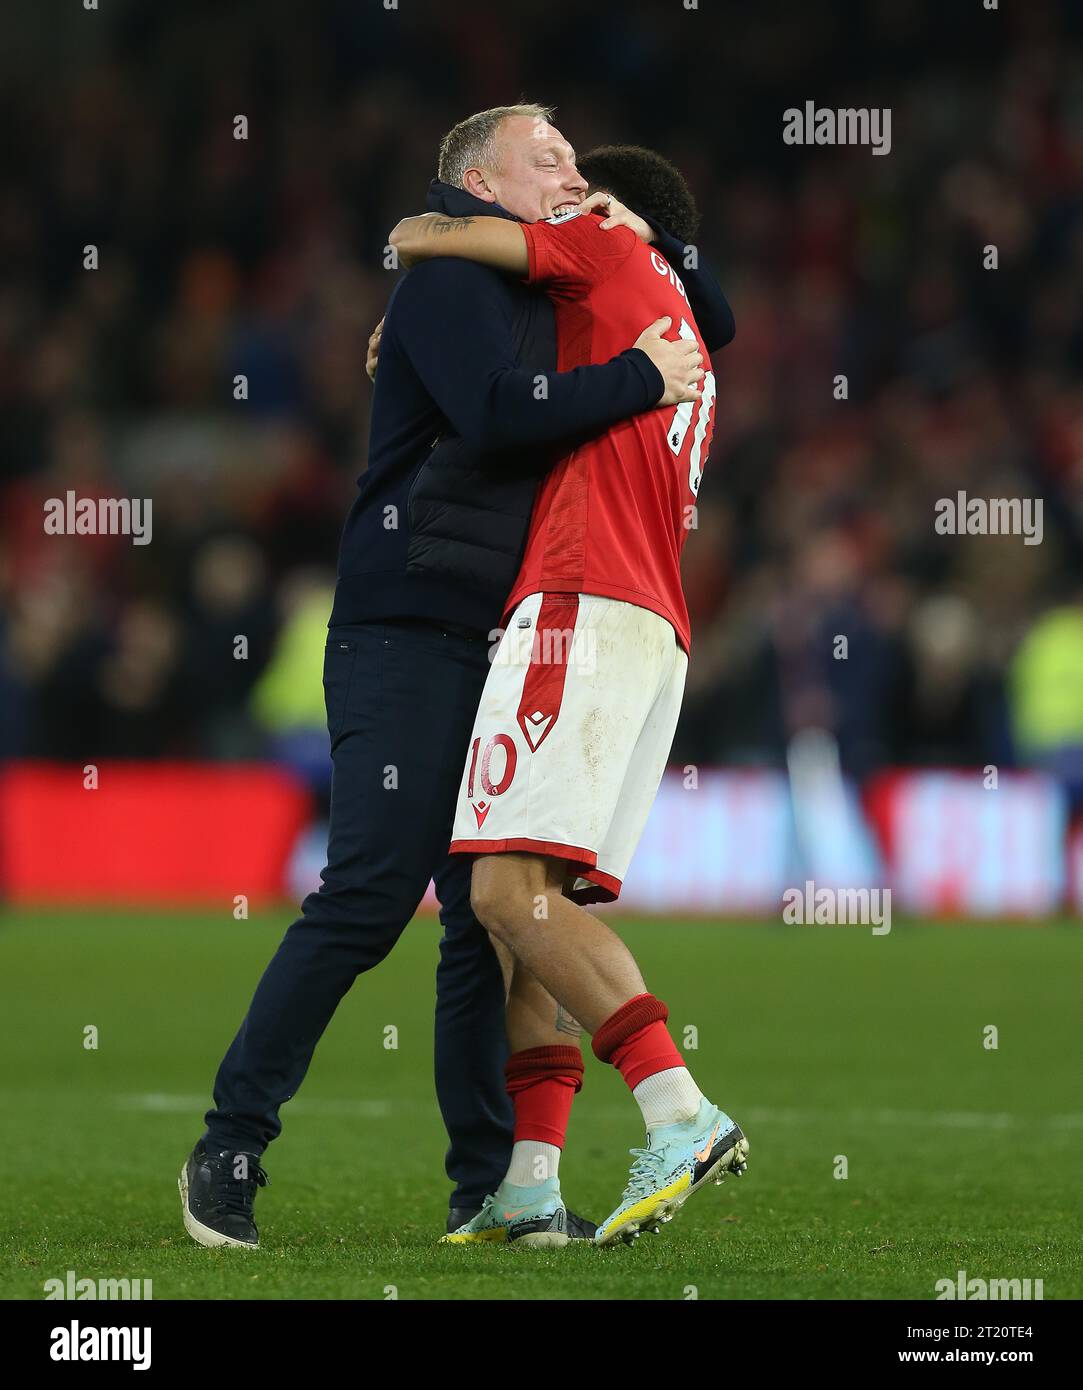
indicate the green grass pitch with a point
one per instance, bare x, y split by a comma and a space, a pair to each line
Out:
821, 1041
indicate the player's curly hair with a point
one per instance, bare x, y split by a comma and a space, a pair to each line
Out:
645, 182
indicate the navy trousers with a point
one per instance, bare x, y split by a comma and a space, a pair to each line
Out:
401, 700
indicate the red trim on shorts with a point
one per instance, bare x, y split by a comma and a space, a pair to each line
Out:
520, 845
604, 888
543, 685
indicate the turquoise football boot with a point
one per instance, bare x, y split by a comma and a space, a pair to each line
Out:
526, 1217
678, 1159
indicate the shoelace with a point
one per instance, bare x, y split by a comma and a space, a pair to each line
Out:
642, 1178
238, 1194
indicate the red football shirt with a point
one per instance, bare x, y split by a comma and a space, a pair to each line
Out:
612, 517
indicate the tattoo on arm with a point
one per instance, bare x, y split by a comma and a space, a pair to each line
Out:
566, 1024
441, 225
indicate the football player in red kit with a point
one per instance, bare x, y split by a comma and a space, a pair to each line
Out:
581, 703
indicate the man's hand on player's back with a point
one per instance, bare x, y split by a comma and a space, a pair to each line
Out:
680, 362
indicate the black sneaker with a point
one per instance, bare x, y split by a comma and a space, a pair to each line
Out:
217, 1194
579, 1228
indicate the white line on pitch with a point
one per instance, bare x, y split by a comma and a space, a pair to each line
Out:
167, 1103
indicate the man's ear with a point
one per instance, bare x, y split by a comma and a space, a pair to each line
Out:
474, 182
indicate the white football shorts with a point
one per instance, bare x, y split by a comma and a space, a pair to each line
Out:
572, 736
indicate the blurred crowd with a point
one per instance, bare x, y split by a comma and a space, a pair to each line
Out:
880, 363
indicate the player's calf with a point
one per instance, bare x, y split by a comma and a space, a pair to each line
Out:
505, 893
575, 957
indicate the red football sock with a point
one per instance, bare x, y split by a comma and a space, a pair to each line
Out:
636, 1040
542, 1082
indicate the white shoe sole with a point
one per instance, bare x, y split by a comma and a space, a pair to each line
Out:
733, 1160
203, 1235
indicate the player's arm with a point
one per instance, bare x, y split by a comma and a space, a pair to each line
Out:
491, 241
